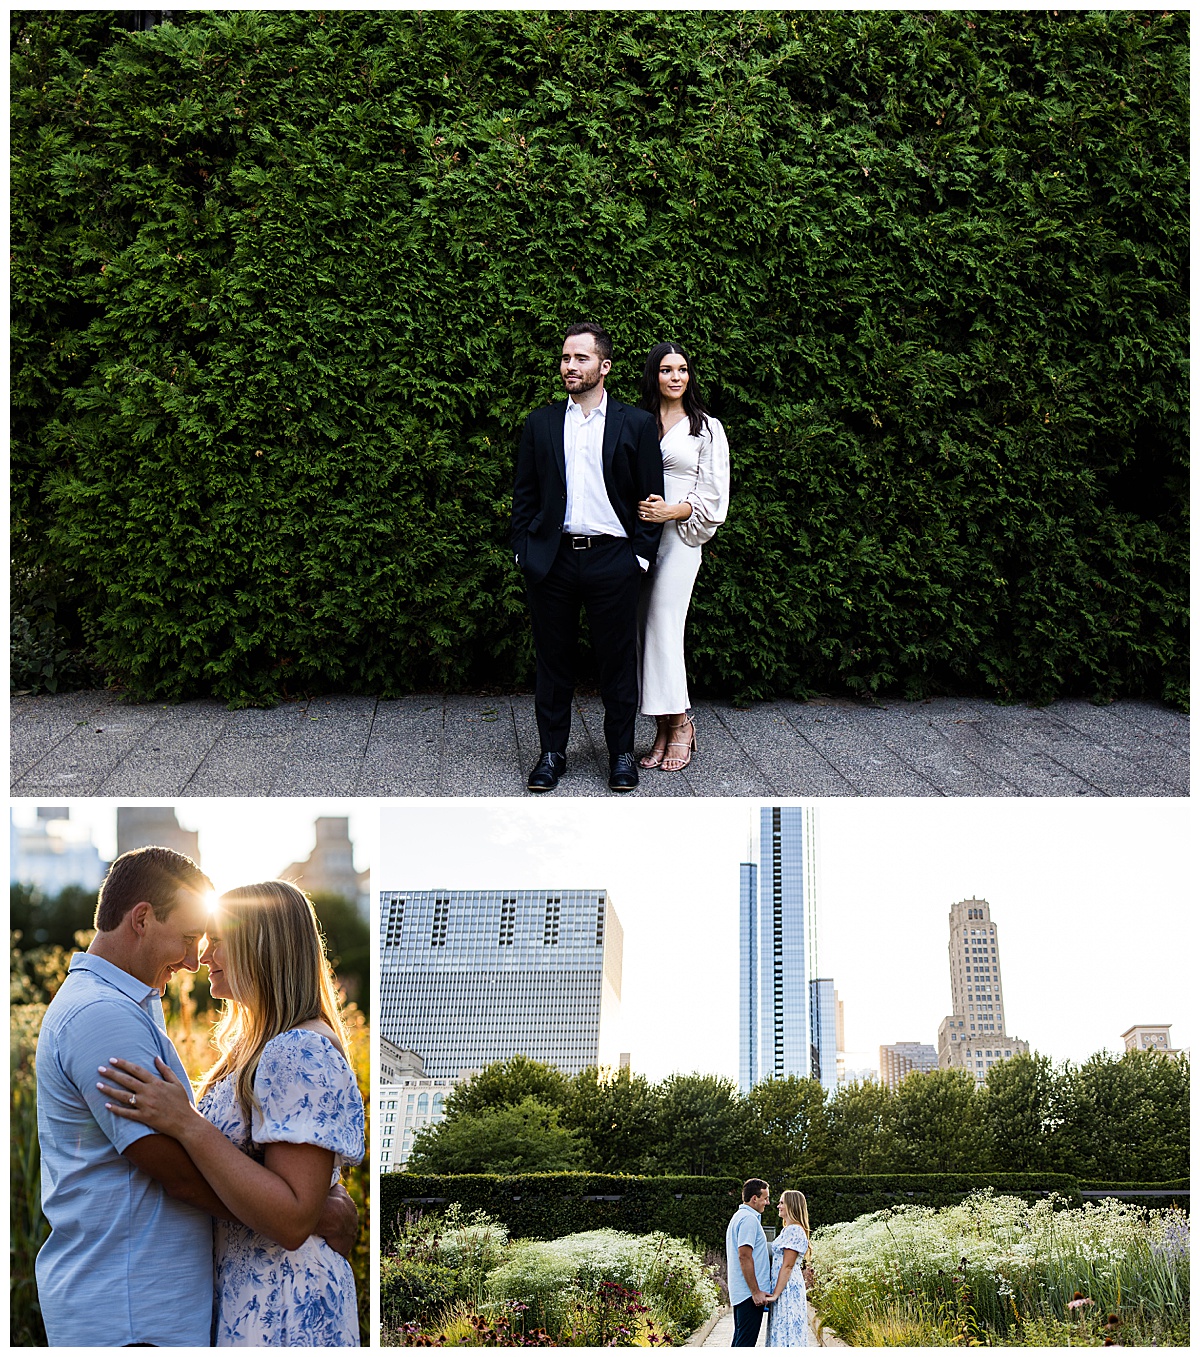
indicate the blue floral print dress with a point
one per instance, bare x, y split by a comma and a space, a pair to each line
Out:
788, 1324
268, 1296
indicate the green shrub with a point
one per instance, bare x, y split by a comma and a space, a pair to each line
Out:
557, 1279
547, 1205
410, 1289
284, 285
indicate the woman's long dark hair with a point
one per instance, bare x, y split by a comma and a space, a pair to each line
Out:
693, 402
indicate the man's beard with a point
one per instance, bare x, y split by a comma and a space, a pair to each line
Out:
585, 385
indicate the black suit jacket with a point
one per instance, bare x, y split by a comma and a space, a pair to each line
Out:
633, 470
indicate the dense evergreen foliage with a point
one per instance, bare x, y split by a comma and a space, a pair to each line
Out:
284, 285
546, 1205
1111, 1119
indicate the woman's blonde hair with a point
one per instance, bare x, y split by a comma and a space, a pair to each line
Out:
797, 1207
278, 974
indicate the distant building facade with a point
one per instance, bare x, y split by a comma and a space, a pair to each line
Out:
1155, 1036
329, 868
405, 1102
975, 1036
52, 854
787, 1021
902, 1058
472, 977
155, 827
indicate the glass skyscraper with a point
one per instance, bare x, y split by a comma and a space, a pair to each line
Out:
472, 977
788, 1020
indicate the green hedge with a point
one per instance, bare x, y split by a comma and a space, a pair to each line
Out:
1152, 1196
284, 285
548, 1205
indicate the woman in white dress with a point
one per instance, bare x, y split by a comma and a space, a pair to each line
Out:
276, 1118
787, 1325
694, 504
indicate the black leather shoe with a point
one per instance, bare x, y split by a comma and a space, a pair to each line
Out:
550, 767
622, 772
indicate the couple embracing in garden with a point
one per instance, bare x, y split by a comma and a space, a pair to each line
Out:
611, 507
765, 1278
182, 1225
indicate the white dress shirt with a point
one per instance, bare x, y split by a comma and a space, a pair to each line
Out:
589, 511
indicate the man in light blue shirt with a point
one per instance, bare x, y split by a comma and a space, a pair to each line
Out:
129, 1261
748, 1263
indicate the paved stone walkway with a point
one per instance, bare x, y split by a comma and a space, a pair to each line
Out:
721, 1334
89, 744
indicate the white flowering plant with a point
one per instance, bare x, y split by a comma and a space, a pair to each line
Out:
987, 1268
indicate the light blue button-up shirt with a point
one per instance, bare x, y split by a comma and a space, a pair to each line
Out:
125, 1263
746, 1228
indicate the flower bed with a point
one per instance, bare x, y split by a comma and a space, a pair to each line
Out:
997, 1270
459, 1281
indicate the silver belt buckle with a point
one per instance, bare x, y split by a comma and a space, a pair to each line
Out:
580, 543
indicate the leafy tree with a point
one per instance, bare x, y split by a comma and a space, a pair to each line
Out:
50, 921
615, 1113
1021, 1114
506, 1083
348, 942
702, 1126
940, 1124
1126, 1118
789, 1127
524, 1137
862, 1129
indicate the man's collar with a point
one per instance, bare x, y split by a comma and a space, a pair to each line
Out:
602, 407
128, 984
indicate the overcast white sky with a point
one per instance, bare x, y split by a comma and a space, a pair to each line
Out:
1090, 899
241, 840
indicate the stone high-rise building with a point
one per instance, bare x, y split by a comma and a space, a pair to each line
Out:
155, 827
975, 1035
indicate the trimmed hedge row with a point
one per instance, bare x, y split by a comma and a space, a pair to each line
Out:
548, 1205
1152, 1196
285, 284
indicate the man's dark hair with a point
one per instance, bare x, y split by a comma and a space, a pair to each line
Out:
597, 332
752, 1187
157, 875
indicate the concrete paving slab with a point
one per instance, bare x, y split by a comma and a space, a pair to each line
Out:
777, 746
430, 744
240, 765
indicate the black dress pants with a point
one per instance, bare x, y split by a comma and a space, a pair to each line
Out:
747, 1320
604, 578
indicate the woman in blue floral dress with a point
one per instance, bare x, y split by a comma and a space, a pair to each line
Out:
276, 1118
787, 1326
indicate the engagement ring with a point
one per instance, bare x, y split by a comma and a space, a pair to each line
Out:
133, 1100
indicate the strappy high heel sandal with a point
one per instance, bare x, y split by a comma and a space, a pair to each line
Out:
672, 763
655, 757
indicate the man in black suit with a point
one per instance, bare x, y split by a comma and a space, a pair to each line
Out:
582, 467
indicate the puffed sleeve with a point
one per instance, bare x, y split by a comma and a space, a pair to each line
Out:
710, 496
307, 1095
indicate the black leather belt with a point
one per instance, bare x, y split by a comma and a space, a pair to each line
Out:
579, 543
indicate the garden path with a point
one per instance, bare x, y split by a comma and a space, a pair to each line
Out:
90, 744
721, 1334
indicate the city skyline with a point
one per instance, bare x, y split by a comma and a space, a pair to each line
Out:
1087, 891
239, 844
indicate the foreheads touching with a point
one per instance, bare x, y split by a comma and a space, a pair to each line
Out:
159, 877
